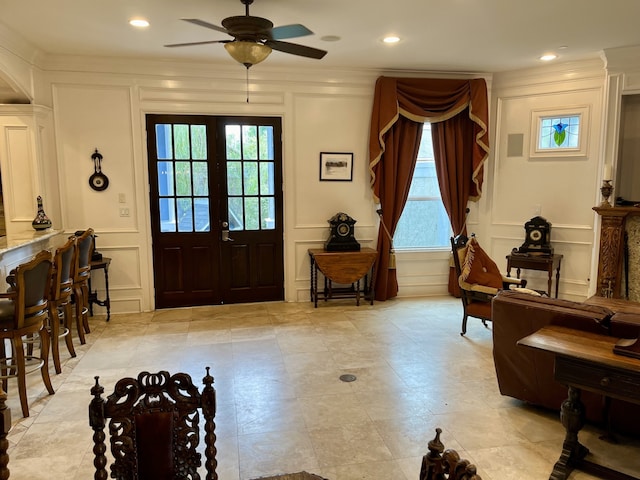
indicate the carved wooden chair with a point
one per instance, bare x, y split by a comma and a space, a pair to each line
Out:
441, 464
154, 427
60, 300
23, 313
81, 273
5, 426
479, 279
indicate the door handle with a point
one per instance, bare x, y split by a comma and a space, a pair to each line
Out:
225, 232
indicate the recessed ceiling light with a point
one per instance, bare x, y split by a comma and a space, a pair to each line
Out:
139, 22
330, 38
391, 39
548, 56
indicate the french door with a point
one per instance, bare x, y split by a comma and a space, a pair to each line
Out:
216, 209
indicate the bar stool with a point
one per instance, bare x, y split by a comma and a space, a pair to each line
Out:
23, 313
81, 273
60, 300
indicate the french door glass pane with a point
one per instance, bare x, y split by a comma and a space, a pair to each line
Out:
185, 215
234, 178
266, 178
252, 213
165, 179
267, 213
164, 145
200, 179
249, 142
250, 178
201, 211
198, 142
266, 143
183, 179
232, 136
181, 142
236, 214
167, 208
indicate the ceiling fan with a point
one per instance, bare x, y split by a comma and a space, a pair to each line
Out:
255, 37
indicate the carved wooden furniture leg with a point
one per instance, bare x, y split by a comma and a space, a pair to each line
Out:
98, 423
5, 426
572, 418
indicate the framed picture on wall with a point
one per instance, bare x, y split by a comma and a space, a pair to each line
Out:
336, 167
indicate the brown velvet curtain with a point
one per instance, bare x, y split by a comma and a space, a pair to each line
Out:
401, 106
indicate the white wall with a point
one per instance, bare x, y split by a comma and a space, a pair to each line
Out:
561, 189
101, 103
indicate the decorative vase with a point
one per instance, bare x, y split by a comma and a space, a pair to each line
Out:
41, 222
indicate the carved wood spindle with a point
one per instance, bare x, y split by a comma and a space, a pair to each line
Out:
5, 426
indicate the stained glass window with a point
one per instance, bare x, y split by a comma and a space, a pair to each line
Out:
559, 132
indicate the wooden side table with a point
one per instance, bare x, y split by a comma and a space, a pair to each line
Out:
544, 263
585, 361
93, 295
346, 268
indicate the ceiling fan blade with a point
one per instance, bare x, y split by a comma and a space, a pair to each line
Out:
202, 23
190, 44
290, 31
295, 49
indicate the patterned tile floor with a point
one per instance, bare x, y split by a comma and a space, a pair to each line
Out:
282, 407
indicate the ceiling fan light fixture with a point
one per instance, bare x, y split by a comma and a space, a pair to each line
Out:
247, 53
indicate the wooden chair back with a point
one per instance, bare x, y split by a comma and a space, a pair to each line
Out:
63, 263
82, 263
154, 427
31, 285
441, 464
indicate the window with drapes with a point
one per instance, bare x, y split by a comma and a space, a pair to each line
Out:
424, 223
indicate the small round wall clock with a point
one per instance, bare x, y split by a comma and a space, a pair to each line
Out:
98, 180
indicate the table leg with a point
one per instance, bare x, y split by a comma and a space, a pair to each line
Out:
315, 285
572, 418
311, 263
549, 281
107, 299
558, 278
358, 293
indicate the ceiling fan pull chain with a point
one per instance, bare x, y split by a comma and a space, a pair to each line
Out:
247, 84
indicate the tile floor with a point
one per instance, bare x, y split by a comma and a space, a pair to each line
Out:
282, 407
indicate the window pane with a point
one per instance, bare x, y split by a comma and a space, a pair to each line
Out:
250, 171
423, 224
234, 178
201, 208
165, 178
198, 142
167, 214
249, 142
183, 178
163, 141
267, 213
185, 215
559, 132
426, 144
266, 143
232, 135
266, 178
181, 141
236, 214
200, 179
252, 214
425, 182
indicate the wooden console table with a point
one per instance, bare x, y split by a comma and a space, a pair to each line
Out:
536, 262
585, 361
346, 268
93, 295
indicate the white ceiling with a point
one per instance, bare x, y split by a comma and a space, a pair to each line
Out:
449, 35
